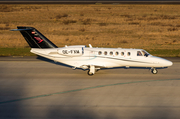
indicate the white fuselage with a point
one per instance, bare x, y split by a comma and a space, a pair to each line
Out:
82, 57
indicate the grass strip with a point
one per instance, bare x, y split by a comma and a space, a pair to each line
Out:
165, 52
15, 52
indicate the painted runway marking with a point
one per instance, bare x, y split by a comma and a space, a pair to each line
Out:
82, 89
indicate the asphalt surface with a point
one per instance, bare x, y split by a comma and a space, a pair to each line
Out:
31, 88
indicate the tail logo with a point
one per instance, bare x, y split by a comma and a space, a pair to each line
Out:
33, 32
38, 39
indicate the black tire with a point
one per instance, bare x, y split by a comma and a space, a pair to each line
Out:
154, 71
90, 74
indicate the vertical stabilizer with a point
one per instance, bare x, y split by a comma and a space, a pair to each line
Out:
34, 38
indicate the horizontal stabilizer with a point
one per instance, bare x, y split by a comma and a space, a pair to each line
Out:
20, 29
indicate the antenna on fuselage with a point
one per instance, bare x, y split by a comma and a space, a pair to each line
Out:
90, 45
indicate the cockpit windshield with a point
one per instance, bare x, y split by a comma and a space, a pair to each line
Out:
143, 53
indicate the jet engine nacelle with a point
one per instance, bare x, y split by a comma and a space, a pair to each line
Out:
71, 52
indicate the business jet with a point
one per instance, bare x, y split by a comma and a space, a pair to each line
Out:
90, 58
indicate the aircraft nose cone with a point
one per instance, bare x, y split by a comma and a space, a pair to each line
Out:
169, 63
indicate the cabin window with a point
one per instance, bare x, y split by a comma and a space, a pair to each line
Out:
139, 53
122, 53
99, 52
105, 53
117, 53
128, 54
111, 53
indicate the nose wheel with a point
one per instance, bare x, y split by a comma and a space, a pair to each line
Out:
154, 70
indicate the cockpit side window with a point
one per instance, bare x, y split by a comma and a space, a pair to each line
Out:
139, 53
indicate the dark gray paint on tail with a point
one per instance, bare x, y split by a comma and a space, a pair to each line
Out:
34, 38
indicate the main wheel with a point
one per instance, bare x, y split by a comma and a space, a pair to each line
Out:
154, 71
89, 73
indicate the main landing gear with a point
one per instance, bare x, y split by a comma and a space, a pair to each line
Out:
90, 73
91, 70
154, 70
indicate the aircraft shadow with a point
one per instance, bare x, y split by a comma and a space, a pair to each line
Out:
132, 68
57, 63
52, 61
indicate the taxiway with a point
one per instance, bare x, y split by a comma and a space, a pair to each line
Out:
31, 88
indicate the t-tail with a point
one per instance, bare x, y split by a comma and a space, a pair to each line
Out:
34, 38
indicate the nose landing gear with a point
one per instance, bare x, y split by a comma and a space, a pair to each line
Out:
154, 71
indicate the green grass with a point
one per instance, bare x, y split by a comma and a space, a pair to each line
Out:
165, 52
15, 52
26, 52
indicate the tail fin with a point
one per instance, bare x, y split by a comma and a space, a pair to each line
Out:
34, 38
